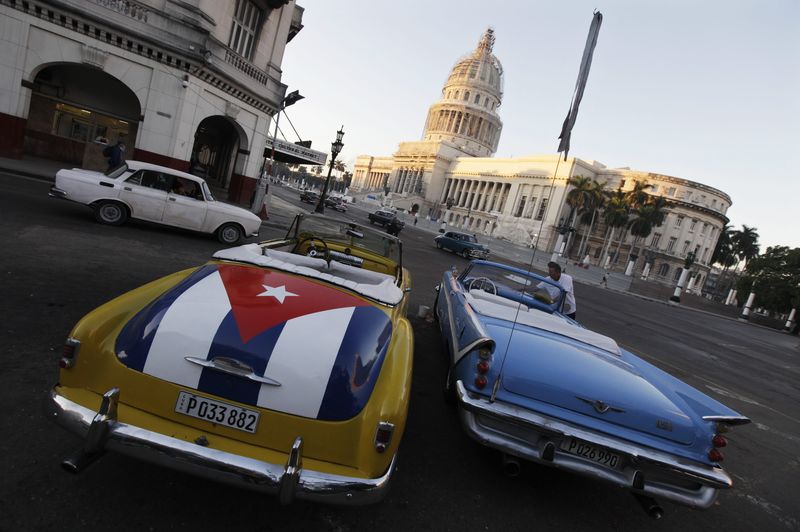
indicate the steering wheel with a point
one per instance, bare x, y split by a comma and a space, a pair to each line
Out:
484, 283
312, 251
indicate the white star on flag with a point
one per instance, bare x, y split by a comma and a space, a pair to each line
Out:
278, 292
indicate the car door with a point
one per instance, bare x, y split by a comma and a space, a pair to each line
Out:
186, 206
145, 192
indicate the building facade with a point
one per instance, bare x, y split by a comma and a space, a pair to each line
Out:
451, 176
189, 84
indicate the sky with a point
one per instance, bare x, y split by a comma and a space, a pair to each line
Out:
702, 90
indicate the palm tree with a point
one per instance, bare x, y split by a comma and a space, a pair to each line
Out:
724, 254
577, 198
745, 243
647, 216
638, 196
597, 193
615, 215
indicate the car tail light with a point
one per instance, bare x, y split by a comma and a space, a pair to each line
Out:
719, 441
69, 353
715, 455
383, 436
483, 367
484, 353
480, 382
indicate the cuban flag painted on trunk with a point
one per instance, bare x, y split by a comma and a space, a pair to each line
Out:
324, 346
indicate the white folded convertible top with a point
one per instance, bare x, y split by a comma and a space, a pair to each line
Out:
374, 285
505, 309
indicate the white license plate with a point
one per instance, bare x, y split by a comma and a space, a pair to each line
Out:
217, 412
592, 452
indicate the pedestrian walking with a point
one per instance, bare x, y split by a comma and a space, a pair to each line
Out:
415, 218
604, 281
115, 154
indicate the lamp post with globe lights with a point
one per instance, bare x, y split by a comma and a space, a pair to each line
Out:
336, 148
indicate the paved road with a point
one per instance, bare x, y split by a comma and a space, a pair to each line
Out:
57, 264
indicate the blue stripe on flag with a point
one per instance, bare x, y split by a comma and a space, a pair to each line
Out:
255, 353
136, 337
357, 365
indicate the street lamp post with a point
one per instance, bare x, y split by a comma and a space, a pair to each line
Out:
259, 203
336, 148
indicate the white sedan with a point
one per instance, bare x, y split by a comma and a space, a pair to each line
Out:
155, 194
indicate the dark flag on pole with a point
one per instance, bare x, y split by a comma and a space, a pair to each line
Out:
580, 85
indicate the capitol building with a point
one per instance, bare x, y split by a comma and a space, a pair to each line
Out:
522, 199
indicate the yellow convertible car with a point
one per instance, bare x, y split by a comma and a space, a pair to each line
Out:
283, 367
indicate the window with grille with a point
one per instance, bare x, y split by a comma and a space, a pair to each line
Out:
542, 208
671, 245
656, 239
245, 25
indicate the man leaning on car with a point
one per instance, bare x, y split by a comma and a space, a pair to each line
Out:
565, 280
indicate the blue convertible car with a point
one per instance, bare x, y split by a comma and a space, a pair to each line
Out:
536, 385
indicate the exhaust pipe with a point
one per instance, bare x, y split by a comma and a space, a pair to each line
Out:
79, 461
511, 466
650, 506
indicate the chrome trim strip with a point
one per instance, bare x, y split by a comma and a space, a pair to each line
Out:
231, 366
484, 337
728, 420
218, 465
710, 478
57, 193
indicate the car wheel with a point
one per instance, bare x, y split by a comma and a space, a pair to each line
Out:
438, 245
229, 233
111, 213
464, 253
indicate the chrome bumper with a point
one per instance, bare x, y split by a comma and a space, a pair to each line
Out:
56, 192
538, 437
101, 431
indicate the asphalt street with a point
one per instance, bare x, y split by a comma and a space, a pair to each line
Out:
58, 263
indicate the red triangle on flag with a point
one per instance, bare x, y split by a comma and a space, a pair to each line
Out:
255, 296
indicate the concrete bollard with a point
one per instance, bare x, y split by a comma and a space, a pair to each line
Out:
675, 298
790, 321
747, 306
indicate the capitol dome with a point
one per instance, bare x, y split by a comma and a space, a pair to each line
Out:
467, 112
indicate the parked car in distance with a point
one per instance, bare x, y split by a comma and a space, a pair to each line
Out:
155, 194
283, 367
336, 203
462, 244
308, 196
387, 218
537, 386
382, 216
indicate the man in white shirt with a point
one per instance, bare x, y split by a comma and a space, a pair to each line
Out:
570, 307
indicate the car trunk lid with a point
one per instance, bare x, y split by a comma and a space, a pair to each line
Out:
592, 382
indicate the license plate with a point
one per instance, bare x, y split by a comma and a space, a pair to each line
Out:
217, 412
591, 452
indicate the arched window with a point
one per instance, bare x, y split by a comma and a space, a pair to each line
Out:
677, 274
477, 99
456, 95
486, 102
466, 96
663, 270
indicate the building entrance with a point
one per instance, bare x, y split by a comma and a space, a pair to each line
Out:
75, 111
215, 154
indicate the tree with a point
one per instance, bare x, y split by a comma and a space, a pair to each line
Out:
723, 255
579, 196
615, 215
597, 193
774, 277
649, 214
745, 243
